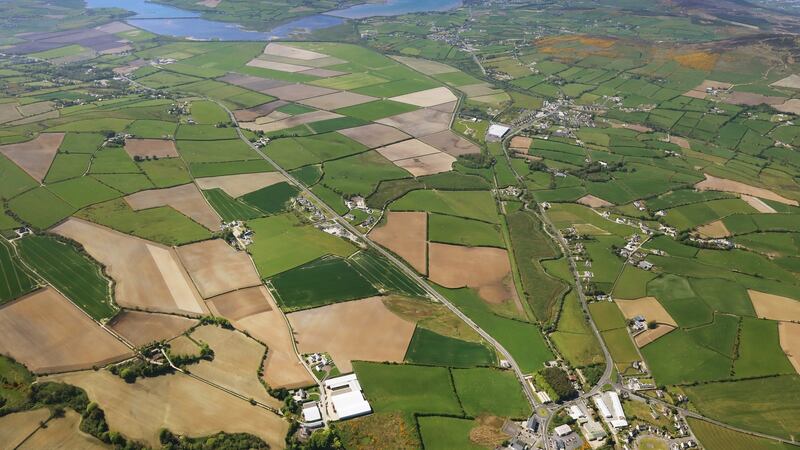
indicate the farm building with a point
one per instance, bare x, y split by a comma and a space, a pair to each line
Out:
497, 131
312, 417
563, 430
611, 409
346, 397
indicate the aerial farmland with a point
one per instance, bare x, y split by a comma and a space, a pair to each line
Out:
399, 225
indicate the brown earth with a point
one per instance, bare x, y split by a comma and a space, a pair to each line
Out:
209, 3
680, 142
428, 97
291, 52
751, 99
34, 156
216, 267
635, 127
421, 122
63, 433
148, 148
337, 100
298, 91
488, 432
479, 90
9, 112
14, 428
147, 275
237, 359
266, 324
374, 135
792, 82
405, 234
290, 122
521, 143
406, 149
142, 328
721, 184
182, 345
445, 107
241, 184
714, 230
699, 91
253, 83
758, 204
485, 269
324, 73
240, 304
360, 330
450, 143
775, 307
47, 333
34, 109
187, 199
428, 164
791, 106
790, 342
178, 402
251, 114
593, 202
650, 309
278, 66
431, 316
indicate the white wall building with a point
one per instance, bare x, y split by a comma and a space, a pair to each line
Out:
346, 396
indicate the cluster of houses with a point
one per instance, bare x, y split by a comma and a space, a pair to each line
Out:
241, 236
359, 203
317, 361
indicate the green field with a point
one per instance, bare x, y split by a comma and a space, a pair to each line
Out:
14, 392
446, 433
480, 389
376, 110
71, 272
229, 208
282, 243
166, 172
677, 358
385, 275
320, 282
460, 231
162, 224
215, 151
573, 337
201, 170
83, 191
40, 207
67, 166
271, 199
16, 280
360, 174
408, 388
431, 348
760, 352
478, 205
714, 436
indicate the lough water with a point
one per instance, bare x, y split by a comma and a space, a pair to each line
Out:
171, 21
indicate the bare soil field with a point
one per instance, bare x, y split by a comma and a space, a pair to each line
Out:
630, 126
521, 143
324, 73
182, 345
142, 328
775, 307
63, 433
289, 122
35, 156
274, 116
216, 267
428, 97
14, 428
148, 276
791, 106
590, 229
241, 184
451, 143
274, 65
406, 149
485, 269
237, 359
714, 230
210, 3
405, 234
47, 333
9, 112
340, 329
421, 122
251, 114
424, 66
291, 52
187, 199
298, 91
130, 67
479, 90
758, 204
650, 309
178, 402
593, 202
428, 164
374, 135
337, 100
789, 334
253, 83
33, 109
680, 142
240, 304
267, 325
148, 148
445, 107
751, 99
721, 184
792, 82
